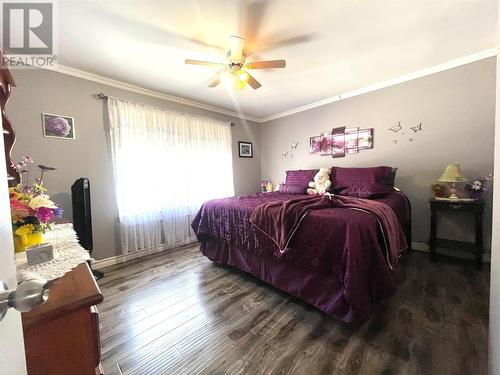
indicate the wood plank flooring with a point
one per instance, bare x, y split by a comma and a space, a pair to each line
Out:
177, 313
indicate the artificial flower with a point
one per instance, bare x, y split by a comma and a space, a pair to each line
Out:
58, 212
477, 185
25, 229
41, 200
19, 209
14, 194
45, 214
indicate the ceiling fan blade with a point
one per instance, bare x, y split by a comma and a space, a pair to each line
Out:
236, 53
215, 83
252, 16
253, 82
271, 64
199, 62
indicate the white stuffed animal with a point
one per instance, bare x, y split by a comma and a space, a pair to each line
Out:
321, 183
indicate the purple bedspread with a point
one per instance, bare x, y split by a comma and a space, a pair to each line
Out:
340, 248
281, 220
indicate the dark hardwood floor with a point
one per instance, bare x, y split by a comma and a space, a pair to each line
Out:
177, 313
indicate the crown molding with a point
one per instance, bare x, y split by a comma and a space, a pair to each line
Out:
140, 90
176, 99
383, 84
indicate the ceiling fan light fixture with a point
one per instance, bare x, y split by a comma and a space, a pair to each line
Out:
240, 85
236, 45
243, 76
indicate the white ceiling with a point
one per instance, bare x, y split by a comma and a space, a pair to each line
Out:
331, 46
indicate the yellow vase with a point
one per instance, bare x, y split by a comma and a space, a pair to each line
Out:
26, 240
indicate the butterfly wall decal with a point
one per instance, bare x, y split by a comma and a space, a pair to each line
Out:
417, 128
294, 145
396, 127
284, 154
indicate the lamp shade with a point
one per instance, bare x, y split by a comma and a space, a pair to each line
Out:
452, 173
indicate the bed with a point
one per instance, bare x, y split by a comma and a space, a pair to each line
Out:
337, 260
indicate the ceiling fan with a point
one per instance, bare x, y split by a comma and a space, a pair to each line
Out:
237, 67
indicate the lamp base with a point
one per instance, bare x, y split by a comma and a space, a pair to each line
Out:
453, 196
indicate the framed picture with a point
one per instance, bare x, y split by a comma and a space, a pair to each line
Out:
245, 149
315, 144
365, 139
351, 141
58, 126
338, 143
326, 143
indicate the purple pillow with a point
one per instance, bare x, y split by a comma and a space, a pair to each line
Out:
300, 177
367, 191
292, 189
344, 178
391, 177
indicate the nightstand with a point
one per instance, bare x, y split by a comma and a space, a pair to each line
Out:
475, 208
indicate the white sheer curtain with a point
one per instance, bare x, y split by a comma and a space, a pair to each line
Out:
166, 164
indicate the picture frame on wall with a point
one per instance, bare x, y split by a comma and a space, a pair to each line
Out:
351, 141
58, 126
245, 149
315, 144
365, 139
338, 143
326, 143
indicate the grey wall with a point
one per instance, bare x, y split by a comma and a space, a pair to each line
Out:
457, 110
40, 91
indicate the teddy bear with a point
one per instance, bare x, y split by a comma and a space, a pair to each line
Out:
321, 183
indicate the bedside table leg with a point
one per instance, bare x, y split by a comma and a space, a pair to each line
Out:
432, 240
479, 240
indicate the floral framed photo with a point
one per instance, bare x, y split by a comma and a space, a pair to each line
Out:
245, 149
58, 126
315, 144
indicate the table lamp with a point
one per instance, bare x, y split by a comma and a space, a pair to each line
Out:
453, 174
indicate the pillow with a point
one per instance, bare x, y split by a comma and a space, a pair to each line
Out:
367, 191
300, 177
292, 189
343, 178
391, 177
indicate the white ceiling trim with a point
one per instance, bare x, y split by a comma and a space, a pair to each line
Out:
140, 90
383, 84
377, 86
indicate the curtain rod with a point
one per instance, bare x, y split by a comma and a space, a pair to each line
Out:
102, 96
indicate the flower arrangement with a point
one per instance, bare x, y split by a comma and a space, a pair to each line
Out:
32, 211
478, 186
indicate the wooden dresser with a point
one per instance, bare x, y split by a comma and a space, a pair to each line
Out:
61, 337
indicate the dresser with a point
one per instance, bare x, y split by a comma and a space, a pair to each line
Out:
61, 337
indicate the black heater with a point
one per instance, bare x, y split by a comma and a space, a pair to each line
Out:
82, 216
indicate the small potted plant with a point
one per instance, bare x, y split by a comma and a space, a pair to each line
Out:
478, 186
32, 211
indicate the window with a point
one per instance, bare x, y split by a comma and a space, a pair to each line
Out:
166, 164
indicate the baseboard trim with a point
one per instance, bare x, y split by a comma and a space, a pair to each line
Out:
423, 247
103, 263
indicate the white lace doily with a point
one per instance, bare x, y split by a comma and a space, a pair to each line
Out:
67, 255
